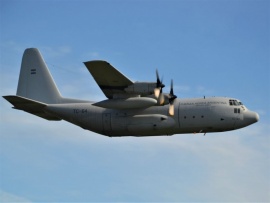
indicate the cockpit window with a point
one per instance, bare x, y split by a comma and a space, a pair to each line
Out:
234, 102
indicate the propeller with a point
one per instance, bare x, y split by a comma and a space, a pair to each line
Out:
172, 97
158, 90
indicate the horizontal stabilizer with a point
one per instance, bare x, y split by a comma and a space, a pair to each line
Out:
30, 106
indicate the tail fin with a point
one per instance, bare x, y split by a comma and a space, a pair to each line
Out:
36, 82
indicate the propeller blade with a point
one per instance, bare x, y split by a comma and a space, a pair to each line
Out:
172, 96
171, 100
159, 82
171, 110
157, 92
171, 91
161, 99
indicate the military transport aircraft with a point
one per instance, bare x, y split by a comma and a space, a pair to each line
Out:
132, 108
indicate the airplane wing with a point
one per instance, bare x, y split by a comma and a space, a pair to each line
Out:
109, 79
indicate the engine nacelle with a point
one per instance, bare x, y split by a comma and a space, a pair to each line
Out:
141, 88
128, 103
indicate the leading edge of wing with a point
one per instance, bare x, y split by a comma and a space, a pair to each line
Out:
110, 80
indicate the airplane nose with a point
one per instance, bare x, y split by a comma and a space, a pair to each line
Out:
251, 117
257, 117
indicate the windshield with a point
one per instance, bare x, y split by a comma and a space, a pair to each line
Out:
234, 102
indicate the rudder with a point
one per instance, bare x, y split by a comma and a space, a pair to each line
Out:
35, 81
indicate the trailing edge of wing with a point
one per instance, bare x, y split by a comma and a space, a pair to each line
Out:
109, 79
30, 106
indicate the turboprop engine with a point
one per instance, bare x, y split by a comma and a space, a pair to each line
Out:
141, 95
146, 88
141, 88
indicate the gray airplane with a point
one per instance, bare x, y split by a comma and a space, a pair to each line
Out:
132, 108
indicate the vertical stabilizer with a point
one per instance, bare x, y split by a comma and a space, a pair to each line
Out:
35, 80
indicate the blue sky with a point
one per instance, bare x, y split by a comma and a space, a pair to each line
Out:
211, 48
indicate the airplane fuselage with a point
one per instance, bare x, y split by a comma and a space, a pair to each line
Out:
198, 115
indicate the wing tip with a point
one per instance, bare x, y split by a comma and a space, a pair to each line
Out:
96, 61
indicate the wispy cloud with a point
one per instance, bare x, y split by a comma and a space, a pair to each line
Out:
261, 112
12, 45
187, 91
204, 91
181, 88
9, 197
55, 51
91, 55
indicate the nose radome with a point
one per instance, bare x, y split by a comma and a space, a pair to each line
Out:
251, 117
257, 117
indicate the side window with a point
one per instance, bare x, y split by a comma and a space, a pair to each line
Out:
230, 102
236, 110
